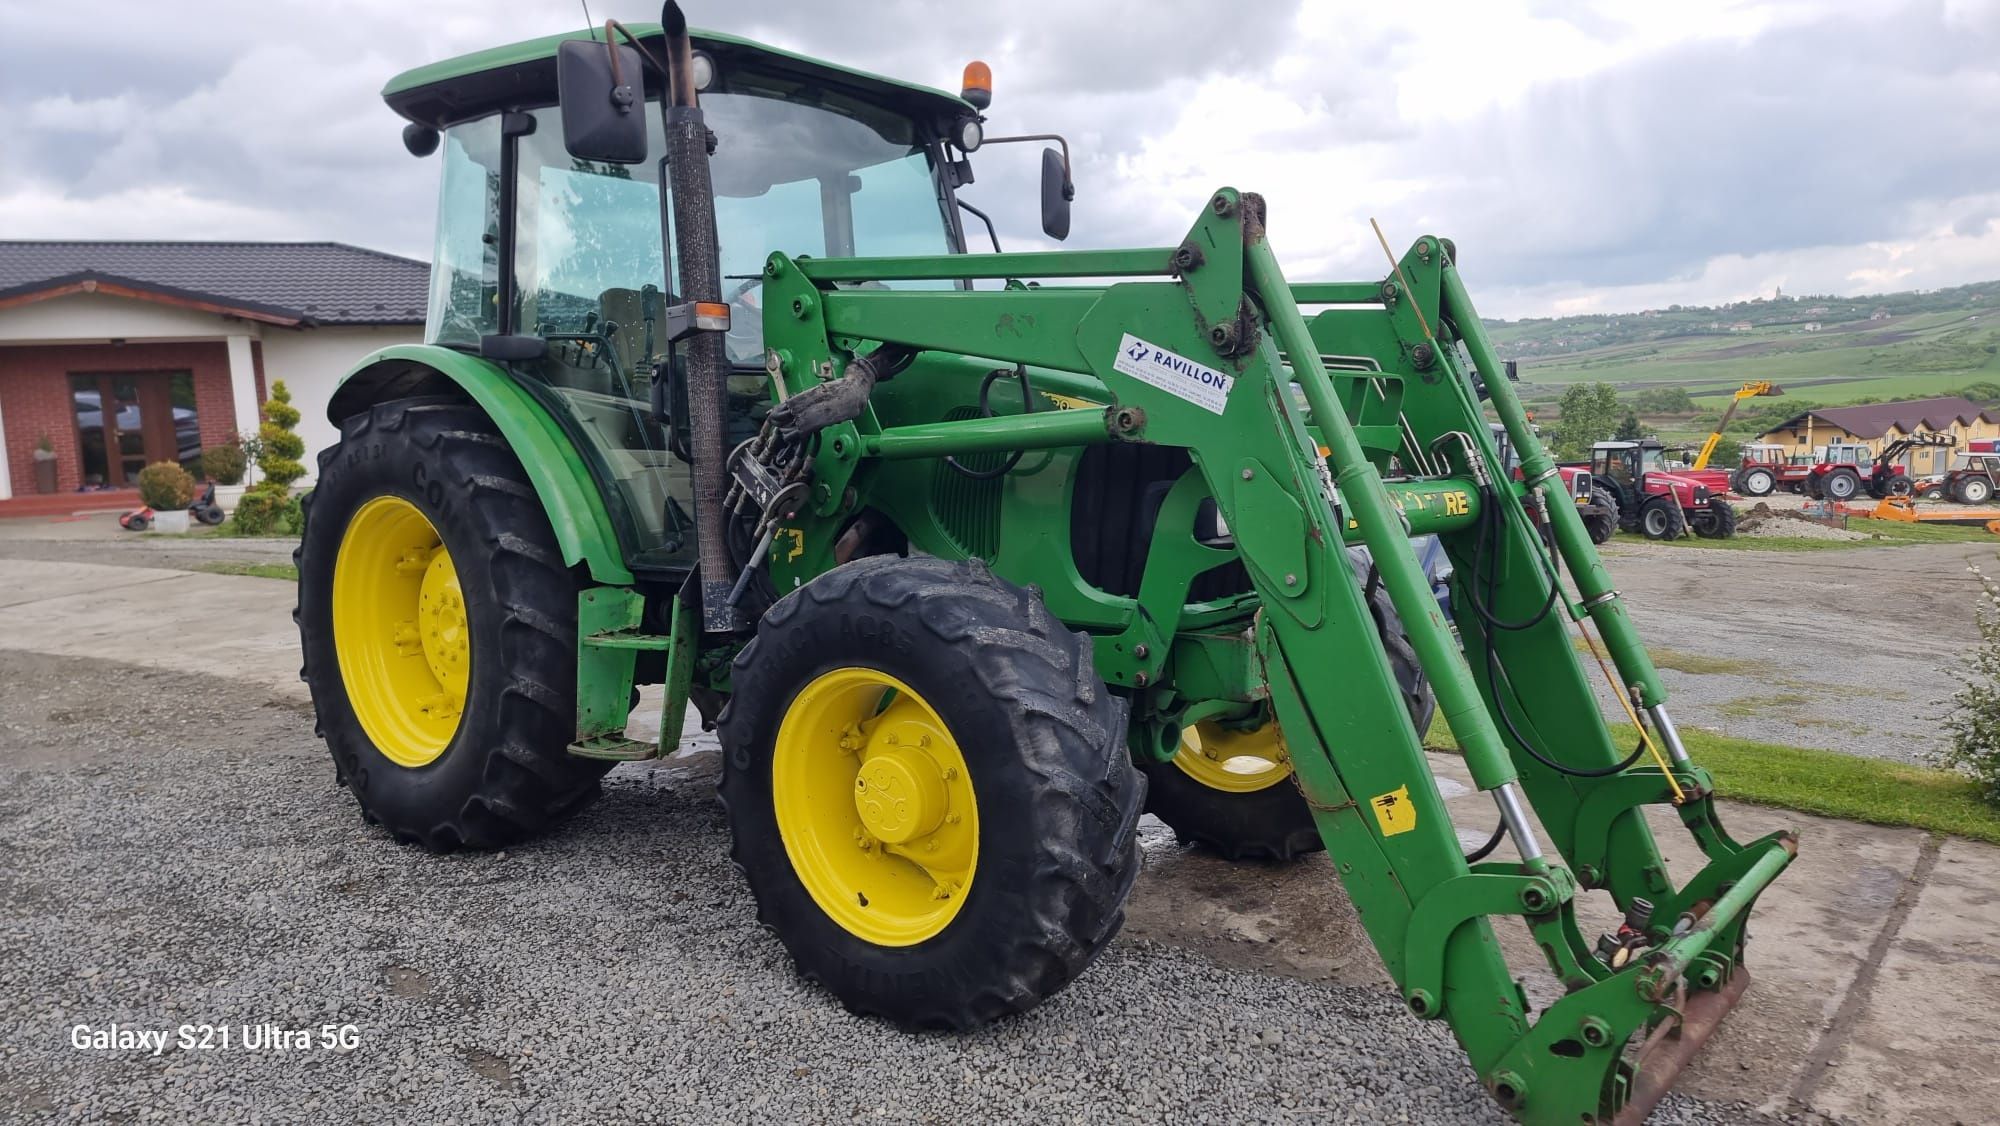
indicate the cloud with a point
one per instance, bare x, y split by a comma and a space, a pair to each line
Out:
1581, 154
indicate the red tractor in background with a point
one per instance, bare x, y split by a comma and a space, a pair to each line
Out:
1595, 503
1880, 475
1660, 503
1974, 477
1766, 468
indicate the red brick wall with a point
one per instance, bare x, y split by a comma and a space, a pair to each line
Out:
35, 397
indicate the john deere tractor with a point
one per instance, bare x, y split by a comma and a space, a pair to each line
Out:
973, 558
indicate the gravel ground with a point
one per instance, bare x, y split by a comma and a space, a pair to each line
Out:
1762, 521
1847, 649
183, 857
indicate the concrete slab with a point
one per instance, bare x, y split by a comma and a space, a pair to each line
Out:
1921, 1047
221, 625
1812, 935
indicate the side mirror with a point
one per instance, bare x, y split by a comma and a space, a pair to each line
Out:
1057, 191
603, 92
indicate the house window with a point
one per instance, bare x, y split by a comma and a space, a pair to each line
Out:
126, 421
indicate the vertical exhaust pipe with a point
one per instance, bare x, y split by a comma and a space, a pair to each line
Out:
701, 280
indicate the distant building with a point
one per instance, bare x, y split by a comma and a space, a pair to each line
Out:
1879, 315
1741, 326
1876, 424
114, 355
1809, 326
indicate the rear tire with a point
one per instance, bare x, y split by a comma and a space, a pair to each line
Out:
1660, 518
1974, 490
1271, 821
1601, 525
1717, 521
1049, 793
1841, 484
505, 774
1756, 482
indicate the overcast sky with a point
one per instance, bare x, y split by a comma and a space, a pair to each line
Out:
1584, 156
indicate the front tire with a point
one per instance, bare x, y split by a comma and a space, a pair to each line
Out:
1660, 518
439, 630
1233, 789
1717, 521
928, 791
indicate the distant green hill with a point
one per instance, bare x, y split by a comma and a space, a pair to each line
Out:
1828, 349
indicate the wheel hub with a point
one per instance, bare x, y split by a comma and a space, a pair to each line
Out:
441, 622
875, 805
899, 793
1238, 762
401, 632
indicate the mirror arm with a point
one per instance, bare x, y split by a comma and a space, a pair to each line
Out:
1069, 181
984, 218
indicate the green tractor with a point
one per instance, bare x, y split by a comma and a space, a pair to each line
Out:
971, 559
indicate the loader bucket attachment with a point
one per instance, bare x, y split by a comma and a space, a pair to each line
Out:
1361, 425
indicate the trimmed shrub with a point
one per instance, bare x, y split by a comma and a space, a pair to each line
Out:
224, 465
267, 512
1974, 719
278, 457
165, 486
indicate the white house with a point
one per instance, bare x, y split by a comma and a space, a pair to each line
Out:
114, 355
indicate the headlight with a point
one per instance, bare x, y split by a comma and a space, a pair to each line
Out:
970, 134
702, 70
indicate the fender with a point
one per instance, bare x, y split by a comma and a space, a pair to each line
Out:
562, 482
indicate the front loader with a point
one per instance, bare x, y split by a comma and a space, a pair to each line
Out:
971, 559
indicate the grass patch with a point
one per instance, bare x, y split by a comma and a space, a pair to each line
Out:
1881, 533
1744, 707
1683, 661
255, 570
1832, 784
1826, 783
1699, 663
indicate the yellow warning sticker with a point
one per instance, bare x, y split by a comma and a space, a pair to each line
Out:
1394, 812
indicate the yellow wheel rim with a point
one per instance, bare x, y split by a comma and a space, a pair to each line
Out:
1238, 762
875, 806
400, 629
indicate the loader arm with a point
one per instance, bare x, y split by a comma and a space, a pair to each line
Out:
1202, 346
1747, 391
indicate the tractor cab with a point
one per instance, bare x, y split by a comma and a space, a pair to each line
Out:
1844, 453
1628, 462
557, 267
1763, 453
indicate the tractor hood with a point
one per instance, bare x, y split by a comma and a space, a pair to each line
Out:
523, 76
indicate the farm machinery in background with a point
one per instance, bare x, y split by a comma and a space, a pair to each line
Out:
1973, 478
956, 640
1661, 503
1751, 390
1595, 503
1841, 471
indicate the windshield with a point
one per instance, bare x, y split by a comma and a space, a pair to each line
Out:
809, 173
1652, 459
820, 178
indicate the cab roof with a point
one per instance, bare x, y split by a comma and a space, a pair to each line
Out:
523, 75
